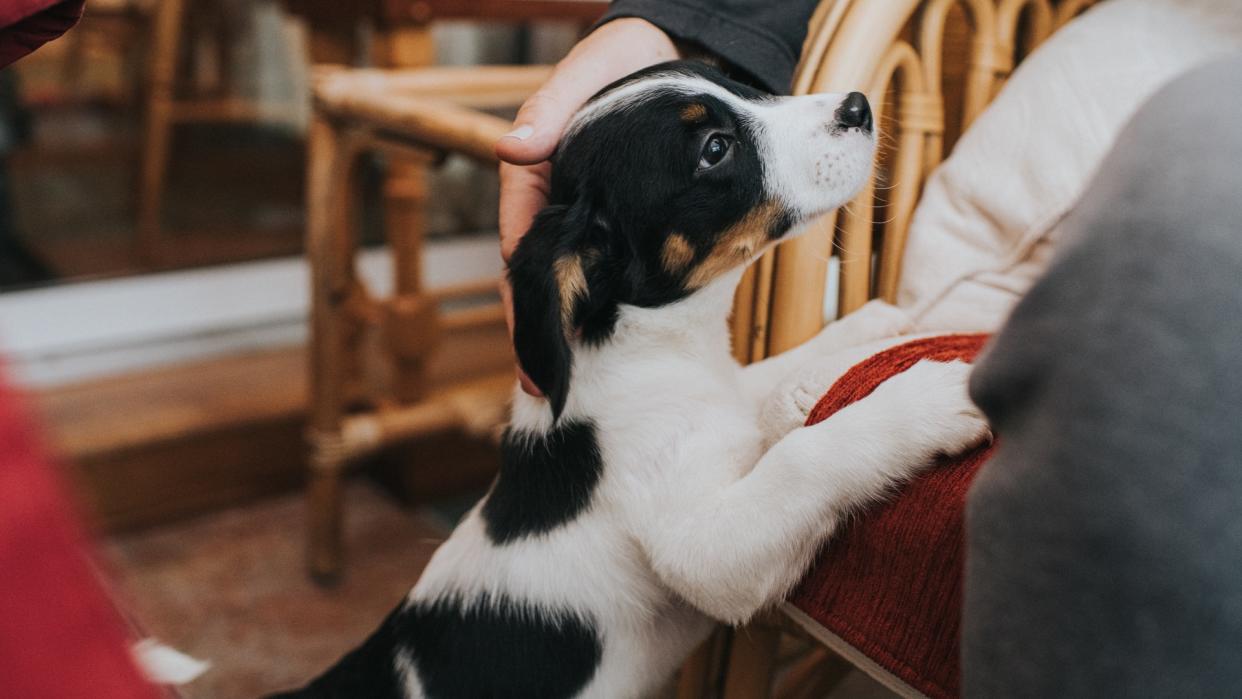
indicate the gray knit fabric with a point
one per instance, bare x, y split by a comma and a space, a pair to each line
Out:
1105, 538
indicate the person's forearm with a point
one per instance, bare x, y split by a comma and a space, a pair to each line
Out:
760, 38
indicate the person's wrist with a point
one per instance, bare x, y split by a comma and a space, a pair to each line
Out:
642, 38
657, 42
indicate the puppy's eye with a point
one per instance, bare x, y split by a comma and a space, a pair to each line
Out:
716, 148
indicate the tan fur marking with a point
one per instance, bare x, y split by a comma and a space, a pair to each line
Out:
572, 284
693, 113
677, 253
738, 245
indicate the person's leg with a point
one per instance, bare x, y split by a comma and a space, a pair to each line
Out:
1105, 538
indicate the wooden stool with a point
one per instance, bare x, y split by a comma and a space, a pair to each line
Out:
401, 39
400, 42
415, 116
165, 108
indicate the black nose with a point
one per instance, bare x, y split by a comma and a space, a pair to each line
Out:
854, 112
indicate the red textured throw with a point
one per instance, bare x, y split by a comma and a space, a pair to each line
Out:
60, 636
890, 583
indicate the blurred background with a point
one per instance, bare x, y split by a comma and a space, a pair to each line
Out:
248, 265
114, 170
154, 297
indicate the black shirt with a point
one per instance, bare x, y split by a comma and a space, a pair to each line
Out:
761, 39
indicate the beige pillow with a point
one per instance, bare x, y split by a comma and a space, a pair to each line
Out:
984, 228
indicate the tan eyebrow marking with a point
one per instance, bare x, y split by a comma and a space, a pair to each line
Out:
677, 253
572, 284
736, 245
692, 113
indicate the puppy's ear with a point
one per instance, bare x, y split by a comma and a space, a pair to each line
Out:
549, 283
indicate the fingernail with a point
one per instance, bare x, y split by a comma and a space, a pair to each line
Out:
521, 133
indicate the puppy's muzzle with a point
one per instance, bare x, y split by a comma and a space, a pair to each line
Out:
854, 112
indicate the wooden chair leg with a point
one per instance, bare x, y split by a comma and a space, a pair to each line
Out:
699, 677
411, 329
405, 222
752, 662
155, 145
326, 548
812, 676
330, 249
165, 49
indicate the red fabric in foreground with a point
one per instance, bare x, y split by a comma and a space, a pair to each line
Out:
25, 25
60, 636
890, 583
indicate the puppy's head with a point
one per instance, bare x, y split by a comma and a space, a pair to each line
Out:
664, 182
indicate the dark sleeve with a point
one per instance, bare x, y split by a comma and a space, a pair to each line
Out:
761, 38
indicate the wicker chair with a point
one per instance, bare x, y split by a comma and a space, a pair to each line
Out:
929, 67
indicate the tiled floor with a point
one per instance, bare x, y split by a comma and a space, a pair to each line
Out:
231, 588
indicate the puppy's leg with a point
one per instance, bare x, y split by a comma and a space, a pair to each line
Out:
737, 548
875, 321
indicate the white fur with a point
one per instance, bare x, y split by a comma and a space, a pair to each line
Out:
691, 520
808, 155
805, 154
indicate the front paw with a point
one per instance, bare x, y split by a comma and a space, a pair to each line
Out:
937, 413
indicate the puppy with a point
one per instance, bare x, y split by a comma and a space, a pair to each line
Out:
634, 506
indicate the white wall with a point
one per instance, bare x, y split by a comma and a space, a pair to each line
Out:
92, 329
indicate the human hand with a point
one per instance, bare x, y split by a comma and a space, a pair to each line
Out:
612, 51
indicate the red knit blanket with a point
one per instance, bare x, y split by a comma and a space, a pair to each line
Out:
890, 582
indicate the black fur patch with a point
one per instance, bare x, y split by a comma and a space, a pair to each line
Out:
504, 650
544, 482
491, 650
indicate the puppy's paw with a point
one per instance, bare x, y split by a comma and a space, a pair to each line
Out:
938, 415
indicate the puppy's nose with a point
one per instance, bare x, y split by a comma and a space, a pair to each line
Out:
854, 112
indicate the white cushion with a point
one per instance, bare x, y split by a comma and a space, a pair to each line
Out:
1024, 162
986, 225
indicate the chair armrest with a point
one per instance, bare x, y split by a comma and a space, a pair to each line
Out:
437, 108
499, 85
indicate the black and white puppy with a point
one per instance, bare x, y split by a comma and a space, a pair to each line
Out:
634, 504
